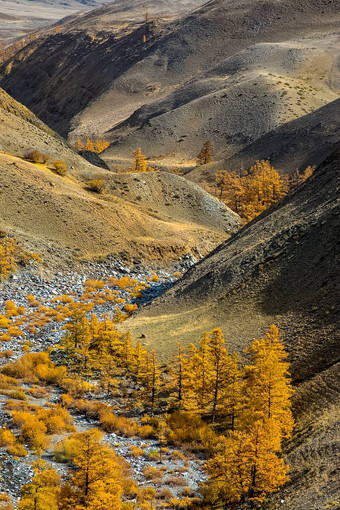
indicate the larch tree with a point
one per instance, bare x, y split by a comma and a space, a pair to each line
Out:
97, 482
42, 493
139, 164
151, 381
268, 386
245, 466
217, 366
205, 155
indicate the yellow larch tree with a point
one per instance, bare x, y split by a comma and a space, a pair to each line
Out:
42, 493
268, 386
139, 164
97, 482
245, 466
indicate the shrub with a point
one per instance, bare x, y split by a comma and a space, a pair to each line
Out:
152, 473
37, 157
176, 455
175, 481
77, 387
136, 451
60, 167
32, 429
165, 494
118, 424
17, 450
96, 185
7, 438
153, 455
33, 367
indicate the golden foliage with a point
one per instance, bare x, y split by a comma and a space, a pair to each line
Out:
13, 255
96, 146
139, 163
60, 167
97, 481
251, 194
96, 185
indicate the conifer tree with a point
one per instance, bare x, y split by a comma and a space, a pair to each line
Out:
205, 155
42, 493
216, 370
88, 146
77, 342
96, 483
139, 164
268, 384
151, 381
245, 466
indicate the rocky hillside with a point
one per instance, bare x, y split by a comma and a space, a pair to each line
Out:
152, 216
225, 72
21, 131
19, 17
282, 268
296, 144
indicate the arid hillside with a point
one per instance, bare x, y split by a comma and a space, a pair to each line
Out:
225, 72
296, 144
156, 216
276, 269
282, 268
19, 17
22, 131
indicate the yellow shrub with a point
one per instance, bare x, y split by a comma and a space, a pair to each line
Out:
136, 451
129, 308
118, 424
17, 450
77, 387
152, 473
96, 185
7, 438
60, 167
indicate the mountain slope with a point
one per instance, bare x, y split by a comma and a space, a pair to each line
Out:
272, 62
21, 130
296, 144
150, 216
19, 17
282, 268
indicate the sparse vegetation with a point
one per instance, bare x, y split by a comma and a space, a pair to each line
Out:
205, 155
60, 167
37, 157
96, 146
96, 185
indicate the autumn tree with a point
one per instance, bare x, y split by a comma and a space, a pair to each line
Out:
42, 493
97, 481
245, 466
251, 194
247, 463
268, 386
77, 343
139, 164
299, 177
13, 255
205, 155
96, 146
151, 381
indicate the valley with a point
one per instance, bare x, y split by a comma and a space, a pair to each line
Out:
169, 255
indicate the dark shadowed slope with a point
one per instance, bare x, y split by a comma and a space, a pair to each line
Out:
283, 268
296, 144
